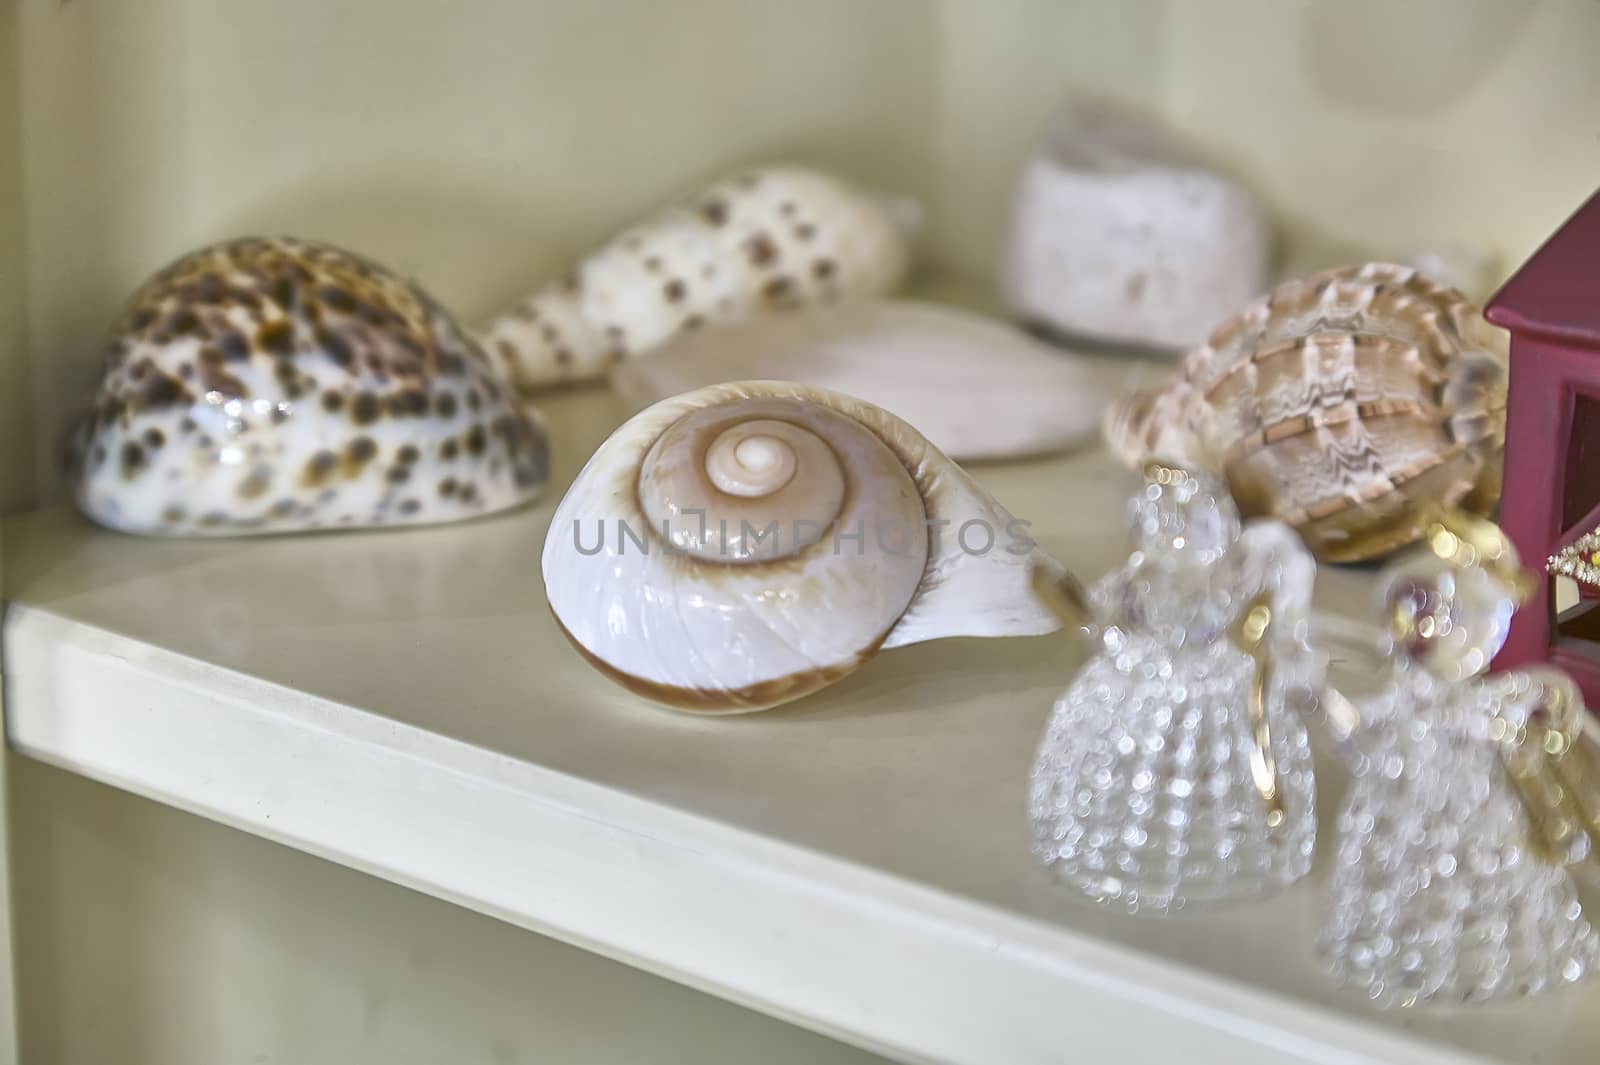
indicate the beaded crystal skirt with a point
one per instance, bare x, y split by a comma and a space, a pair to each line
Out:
1142, 792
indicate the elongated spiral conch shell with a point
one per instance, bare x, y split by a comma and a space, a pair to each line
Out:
775, 238
746, 544
279, 385
1347, 405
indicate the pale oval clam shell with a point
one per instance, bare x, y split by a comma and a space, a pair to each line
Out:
978, 388
718, 637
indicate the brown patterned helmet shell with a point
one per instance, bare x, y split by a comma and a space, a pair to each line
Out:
1349, 405
280, 385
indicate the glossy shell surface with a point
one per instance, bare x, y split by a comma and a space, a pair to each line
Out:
1349, 405
280, 385
746, 544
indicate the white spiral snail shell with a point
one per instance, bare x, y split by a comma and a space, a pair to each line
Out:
746, 544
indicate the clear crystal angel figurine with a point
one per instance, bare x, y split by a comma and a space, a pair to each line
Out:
1450, 882
1176, 767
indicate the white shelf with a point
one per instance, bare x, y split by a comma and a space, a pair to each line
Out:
858, 863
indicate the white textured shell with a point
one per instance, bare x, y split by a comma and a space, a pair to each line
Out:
978, 388
1120, 231
279, 385
775, 238
716, 635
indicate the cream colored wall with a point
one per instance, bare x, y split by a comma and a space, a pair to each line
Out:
1398, 122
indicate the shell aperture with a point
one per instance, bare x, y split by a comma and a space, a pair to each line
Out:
723, 601
280, 385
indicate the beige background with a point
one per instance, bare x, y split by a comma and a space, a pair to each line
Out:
479, 145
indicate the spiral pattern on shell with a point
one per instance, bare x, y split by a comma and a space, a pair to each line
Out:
1349, 405
743, 545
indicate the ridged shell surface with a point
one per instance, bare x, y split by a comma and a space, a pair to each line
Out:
280, 385
775, 238
746, 544
1347, 405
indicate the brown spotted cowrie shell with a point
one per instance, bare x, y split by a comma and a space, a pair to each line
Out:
278, 385
1349, 405
775, 238
746, 544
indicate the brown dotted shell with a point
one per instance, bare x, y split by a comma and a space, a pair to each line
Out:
1348, 404
277, 385
775, 238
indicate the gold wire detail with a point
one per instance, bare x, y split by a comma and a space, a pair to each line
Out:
1554, 762
1466, 540
1249, 632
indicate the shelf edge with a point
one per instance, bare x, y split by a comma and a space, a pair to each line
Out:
856, 954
